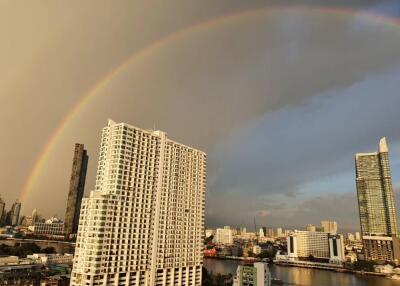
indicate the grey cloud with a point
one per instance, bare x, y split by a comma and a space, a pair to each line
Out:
298, 213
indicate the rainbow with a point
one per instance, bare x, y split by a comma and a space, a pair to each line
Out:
147, 51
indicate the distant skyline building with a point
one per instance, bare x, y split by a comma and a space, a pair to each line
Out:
76, 189
376, 204
15, 212
143, 224
224, 235
329, 226
271, 233
261, 233
311, 227
2, 211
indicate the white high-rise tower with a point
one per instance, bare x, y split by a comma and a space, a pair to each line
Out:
144, 222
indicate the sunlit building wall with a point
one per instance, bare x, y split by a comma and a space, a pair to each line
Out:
144, 222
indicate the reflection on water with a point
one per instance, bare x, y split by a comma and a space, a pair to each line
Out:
304, 276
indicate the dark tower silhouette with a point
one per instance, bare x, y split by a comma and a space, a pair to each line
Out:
76, 189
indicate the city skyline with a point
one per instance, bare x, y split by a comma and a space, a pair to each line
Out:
279, 92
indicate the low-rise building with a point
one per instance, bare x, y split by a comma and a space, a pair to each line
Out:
256, 275
45, 258
7, 260
381, 248
52, 226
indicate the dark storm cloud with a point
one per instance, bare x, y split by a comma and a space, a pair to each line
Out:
199, 88
271, 211
281, 154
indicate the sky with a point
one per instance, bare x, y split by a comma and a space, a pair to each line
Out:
280, 94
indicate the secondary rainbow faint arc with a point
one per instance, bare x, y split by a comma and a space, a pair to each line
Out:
165, 41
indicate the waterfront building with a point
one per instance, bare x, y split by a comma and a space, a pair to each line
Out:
15, 212
224, 235
255, 275
376, 204
144, 222
381, 248
336, 249
329, 226
52, 226
76, 189
318, 245
311, 227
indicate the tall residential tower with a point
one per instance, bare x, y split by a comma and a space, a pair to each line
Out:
76, 189
376, 204
144, 222
15, 212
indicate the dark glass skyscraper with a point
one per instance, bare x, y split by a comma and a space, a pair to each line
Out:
76, 189
15, 211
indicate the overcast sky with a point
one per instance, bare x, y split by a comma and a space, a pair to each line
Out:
281, 101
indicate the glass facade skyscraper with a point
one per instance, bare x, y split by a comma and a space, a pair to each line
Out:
375, 192
376, 204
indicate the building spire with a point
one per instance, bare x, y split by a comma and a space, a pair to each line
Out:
383, 146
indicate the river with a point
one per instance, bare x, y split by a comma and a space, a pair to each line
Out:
304, 276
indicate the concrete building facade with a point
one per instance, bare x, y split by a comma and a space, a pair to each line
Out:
144, 222
224, 235
329, 226
319, 245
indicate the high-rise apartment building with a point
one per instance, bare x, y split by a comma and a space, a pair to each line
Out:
15, 212
376, 204
144, 222
329, 226
76, 189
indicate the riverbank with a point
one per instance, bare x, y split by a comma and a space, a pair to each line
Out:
327, 267
303, 276
303, 264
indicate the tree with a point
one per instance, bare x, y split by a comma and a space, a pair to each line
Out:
48, 250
